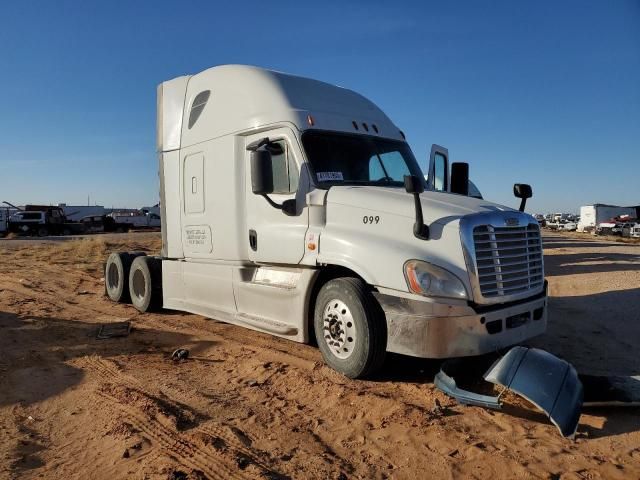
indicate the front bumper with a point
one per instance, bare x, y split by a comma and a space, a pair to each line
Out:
436, 329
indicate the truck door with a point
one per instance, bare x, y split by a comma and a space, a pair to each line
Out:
438, 175
272, 236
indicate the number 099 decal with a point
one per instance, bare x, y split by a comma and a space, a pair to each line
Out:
370, 219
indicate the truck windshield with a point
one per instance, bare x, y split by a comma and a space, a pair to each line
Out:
344, 159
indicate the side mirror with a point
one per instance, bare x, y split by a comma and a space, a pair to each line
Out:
522, 191
460, 178
261, 172
413, 184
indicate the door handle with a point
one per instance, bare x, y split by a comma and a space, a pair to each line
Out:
253, 240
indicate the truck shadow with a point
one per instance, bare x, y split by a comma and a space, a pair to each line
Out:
37, 364
557, 241
401, 368
577, 263
37, 353
597, 333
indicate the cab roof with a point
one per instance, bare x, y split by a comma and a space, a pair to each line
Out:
243, 98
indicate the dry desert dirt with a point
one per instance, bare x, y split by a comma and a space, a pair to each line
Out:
248, 405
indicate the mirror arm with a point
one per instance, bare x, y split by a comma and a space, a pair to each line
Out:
253, 146
420, 230
523, 202
271, 202
288, 207
414, 186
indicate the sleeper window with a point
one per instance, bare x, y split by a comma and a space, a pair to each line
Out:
198, 106
440, 177
285, 169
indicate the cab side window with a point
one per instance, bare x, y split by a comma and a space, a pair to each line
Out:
285, 169
440, 177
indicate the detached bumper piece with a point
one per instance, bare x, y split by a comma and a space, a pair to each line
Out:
546, 381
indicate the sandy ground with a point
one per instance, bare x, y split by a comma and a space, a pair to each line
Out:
248, 405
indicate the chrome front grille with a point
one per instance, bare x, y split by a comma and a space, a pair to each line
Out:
508, 259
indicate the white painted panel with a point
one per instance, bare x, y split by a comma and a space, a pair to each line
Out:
194, 187
197, 239
172, 284
221, 183
209, 285
170, 201
170, 105
278, 295
244, 97
280, 236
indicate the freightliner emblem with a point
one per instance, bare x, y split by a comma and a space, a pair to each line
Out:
511, 222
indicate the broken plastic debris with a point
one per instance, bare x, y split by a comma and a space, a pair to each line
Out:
117, 329
545, 380
448, 385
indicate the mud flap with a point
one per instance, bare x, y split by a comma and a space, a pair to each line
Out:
546, 381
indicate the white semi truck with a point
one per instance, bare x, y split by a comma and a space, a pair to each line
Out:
295, 207
140, 220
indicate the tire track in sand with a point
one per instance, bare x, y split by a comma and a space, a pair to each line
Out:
223, 441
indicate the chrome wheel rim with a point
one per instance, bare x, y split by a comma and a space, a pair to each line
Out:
339, 328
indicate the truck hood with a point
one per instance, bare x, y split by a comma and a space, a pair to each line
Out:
438, 207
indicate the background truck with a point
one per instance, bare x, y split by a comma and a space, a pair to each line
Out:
42, 220
295, 207
135, 220
75, 213
4, 221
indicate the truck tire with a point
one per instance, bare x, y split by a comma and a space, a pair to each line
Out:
145, 283
116, 275
43, 231
350, 327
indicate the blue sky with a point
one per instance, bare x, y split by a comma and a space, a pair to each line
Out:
544, 92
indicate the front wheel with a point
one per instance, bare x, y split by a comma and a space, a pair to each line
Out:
350, 327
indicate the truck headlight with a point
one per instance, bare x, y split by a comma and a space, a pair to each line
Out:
426, 279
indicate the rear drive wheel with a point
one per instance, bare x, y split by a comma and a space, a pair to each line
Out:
116, 275
43, 231
350, 327
145, 283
